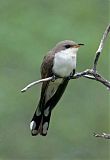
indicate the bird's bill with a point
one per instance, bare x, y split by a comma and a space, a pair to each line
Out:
78, 45
81, 44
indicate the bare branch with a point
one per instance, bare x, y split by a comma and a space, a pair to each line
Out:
102, 80
101, 45
89, 73
103, 135
89, 77
36, 82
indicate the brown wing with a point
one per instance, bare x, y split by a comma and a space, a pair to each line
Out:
46, 71
47, 64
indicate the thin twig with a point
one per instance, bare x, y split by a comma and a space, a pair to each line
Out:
89, 77
103, 135
98, 52
36, 82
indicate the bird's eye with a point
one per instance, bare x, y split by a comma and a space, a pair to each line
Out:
67, 46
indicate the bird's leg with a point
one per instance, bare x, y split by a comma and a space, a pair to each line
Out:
54, 77
71, 75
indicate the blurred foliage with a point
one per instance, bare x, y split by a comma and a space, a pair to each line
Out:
28, 29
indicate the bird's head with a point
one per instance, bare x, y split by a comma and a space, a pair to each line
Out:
67, 45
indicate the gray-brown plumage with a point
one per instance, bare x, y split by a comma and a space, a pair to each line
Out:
60, 61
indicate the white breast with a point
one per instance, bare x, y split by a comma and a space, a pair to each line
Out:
65, 62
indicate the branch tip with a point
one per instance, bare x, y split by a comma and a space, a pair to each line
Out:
103, 135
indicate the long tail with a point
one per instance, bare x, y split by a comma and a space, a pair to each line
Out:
41, 119
40, 122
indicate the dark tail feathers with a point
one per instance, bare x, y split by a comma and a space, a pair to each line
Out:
40, 122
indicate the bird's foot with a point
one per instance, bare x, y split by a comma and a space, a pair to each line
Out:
70, 76
54, 77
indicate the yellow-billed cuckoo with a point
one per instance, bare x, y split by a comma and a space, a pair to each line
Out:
61, 62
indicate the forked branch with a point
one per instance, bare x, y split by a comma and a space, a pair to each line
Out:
103, 135
88, 73
98, 52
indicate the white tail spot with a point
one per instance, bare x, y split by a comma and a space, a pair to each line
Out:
46, 112
34, 132
45, 127
38, 112
32, 125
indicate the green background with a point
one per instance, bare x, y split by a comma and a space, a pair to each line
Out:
28, 29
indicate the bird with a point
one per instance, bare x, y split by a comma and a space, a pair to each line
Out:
60, 62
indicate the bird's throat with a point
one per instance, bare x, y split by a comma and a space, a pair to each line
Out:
65, 62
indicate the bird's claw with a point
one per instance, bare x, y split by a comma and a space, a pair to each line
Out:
54, 78
70, 76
